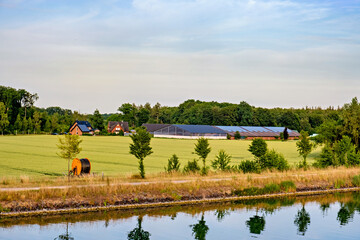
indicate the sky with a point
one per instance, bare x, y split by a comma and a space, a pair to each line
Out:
87, 55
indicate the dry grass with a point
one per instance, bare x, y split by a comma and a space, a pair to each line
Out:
158, 188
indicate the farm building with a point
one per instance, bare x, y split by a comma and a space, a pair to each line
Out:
151, 128
216, 132
251, 132
190, 131
81, 127
116, 127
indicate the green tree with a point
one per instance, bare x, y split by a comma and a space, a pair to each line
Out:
69, 147
4, 121
54, 122
173, 164
138, 233
285, 134
351, 120
30, 125
304, 147
202, 149
47, 127
140, 147
25, 124
28, 100
302, 221
258, 147
237, 135
18, 123
97, 120
222, 161
200, 229
256, 224
37, 122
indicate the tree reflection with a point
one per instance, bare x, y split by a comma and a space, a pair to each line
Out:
200, 229
138, 233
324, 208
220, 214
65, 236
345, 214
256, 224
302, 221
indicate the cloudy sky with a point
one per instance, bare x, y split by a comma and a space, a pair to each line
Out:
84, 55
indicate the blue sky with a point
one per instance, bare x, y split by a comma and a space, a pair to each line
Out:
84, 55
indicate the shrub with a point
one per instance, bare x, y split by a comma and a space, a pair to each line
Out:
248, 191
121, 133
228, 136
356, 181
271, 188
237, 135
258, 147
273, 160
222, 161
249, 166
173, 164
326, 158
192, 166
288, 186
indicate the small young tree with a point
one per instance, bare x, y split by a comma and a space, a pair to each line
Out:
304, 147
222, 161
69, 147
258, 147
173, 164
140, 147
202, 149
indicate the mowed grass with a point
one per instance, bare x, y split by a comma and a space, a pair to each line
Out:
35, 155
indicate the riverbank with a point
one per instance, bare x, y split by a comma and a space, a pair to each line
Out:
47, 212
167, 192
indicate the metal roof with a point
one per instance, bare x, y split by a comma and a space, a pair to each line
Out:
232, 128
200, 129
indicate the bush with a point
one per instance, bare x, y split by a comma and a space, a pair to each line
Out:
326, 158
192, 166
173, 164
237, 135
356, 181
249, 166
258, 147
273, 160
121, 133
222, 161
288, 186
271, 188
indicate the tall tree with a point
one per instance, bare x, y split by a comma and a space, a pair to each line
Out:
202, 149
69, 147
97, 120
304, 147
140, 147
37, 122
18, 123
4, 121
351, 118
28, 100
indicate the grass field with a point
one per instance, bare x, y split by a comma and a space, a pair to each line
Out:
35, 155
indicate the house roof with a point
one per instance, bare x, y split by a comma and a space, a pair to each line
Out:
83, 125
200, 129
154, 127
113, 124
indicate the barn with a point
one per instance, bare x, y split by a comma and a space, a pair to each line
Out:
217, 132
190, 131
81, 127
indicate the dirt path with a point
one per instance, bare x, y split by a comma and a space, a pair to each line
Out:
16, 189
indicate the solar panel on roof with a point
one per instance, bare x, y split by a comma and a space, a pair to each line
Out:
278, 129
231, 128
83, 128
255, 129
200, 129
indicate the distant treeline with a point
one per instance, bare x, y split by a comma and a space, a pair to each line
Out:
19, 115
227, 114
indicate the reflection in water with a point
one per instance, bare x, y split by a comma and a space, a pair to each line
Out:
324, 208
138, 233
200, 229
65, 236
345, 214
302, 221
256, 224
220, 214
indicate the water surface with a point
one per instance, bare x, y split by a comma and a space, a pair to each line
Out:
334, 216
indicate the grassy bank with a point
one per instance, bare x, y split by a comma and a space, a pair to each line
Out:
35, 155
112, 192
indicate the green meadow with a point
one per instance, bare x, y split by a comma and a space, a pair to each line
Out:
35, 155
